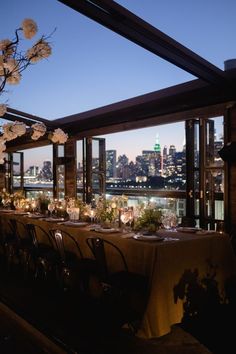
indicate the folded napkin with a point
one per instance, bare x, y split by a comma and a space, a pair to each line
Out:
54, 219
74, 223
106, 230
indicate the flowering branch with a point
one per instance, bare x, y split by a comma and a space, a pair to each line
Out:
12, 64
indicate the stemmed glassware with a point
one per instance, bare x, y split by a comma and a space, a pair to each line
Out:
69, 210
51, 207
127, 217
169, 220
92, 214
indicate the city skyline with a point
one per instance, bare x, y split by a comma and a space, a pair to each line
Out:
46, 155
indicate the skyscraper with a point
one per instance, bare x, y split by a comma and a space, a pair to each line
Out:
110, 163
157, 146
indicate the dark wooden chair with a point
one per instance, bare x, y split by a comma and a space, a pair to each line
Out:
17, 246
73, 269
128, 290
43, 257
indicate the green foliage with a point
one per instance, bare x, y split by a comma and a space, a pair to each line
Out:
149, 220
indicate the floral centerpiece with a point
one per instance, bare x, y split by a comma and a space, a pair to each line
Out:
42, 201
77, 209
12, 200
105, 210
150, 219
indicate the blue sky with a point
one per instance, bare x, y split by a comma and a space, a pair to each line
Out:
91, 66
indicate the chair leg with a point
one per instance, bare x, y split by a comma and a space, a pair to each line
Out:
10, 255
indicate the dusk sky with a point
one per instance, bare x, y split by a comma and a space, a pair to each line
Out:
91, 66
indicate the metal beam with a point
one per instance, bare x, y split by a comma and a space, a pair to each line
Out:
178, 98
118, 19
14, 114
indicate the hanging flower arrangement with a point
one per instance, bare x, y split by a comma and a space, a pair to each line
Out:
12, 62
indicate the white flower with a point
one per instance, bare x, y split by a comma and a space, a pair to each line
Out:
13, 130
29, 27
2, 148
2, 145
10, 65
39, 51
13, 75
3, 109
2, 156
59, 136
4, 44
14, 78
7, 47
19, 128
1, 65
2, 140
8, 134
39, 129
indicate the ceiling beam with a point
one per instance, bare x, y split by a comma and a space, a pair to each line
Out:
179, 98
118, 19
29, 119
176, 103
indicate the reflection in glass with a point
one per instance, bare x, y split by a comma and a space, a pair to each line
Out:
196, 145
16, 169
60, 150
60, 178
79, 167
215, 141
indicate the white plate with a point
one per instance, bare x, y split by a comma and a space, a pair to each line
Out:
108, 231
148, 238
54, 219
34, 216
188, 229
72, 223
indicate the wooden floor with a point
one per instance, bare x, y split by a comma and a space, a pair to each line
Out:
19, 337
71, 324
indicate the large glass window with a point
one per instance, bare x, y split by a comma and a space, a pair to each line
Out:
38, 174
207, 187
150, 158
79, 167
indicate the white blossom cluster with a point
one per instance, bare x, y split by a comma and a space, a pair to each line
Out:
59, 136
2, 149
3, 109
13, 130
39, 129
16, 129
29, 28
39, 51
12, 63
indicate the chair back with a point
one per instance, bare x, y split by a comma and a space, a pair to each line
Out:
18, 230
65, 243
39, 236
102, 250
32, 234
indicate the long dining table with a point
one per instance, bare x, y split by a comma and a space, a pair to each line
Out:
171, 263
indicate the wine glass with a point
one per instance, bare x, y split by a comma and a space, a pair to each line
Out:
69, 210
51, 207
166, 222
125, 216
92, 214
